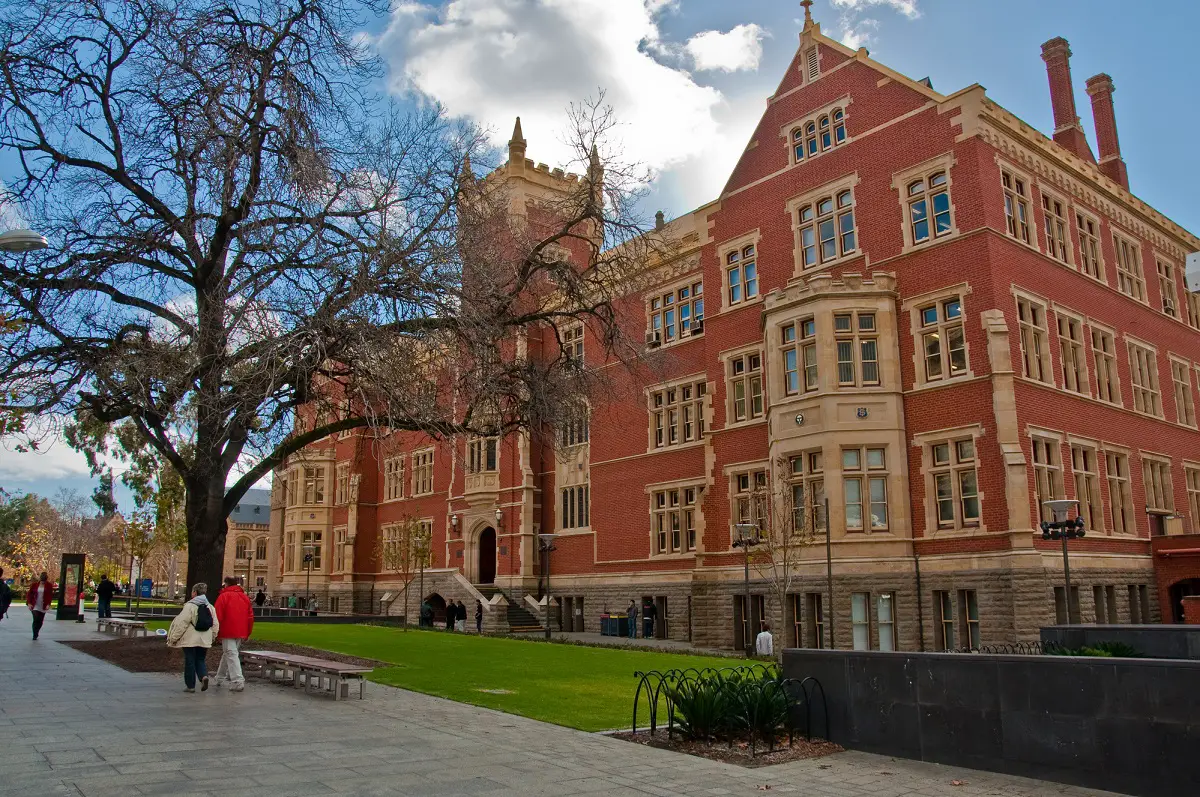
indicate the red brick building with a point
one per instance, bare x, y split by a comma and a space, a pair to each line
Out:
910, 304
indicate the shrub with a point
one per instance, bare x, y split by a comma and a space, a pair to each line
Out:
702, 707
1100, 649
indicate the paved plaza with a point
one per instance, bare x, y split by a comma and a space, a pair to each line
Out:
73, 725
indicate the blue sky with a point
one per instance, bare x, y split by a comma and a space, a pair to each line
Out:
689, 79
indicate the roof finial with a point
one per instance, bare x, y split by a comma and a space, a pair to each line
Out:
808, 20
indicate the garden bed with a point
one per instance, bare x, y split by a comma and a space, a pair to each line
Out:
739, 753
151, 654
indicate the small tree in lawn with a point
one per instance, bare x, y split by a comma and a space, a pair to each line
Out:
141, 539
404, 550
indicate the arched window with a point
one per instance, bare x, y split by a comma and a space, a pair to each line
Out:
929, 200
260, 548
810, 134
819, 135
798, 144
839, 127
826, 136
243, 545
827, 229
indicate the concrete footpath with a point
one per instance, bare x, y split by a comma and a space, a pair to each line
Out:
73, 725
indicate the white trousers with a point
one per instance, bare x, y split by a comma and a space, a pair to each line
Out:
230, 668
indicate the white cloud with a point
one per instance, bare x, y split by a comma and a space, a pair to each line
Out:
858, 30
906, 7
492, 60
859, 33
56, 460
740, 48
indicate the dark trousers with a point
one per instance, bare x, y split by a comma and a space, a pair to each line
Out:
38, 619
648, 628
633, 628
195, 665
104, 606
479, 625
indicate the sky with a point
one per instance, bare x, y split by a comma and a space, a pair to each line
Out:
689, 78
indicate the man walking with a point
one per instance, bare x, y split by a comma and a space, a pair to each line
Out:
104, 594
260, 598
451, 615
38, 599
460, 618
479, 618
631, 614
5, 595
235, 617
764, 643
649, 612
193, 630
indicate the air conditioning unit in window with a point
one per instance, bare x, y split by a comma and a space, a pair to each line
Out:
698, 326
1169, 306
653, 339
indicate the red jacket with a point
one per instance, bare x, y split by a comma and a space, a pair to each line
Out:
235, 615
31, 595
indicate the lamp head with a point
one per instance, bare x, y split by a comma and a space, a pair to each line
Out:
22, 241
499, 514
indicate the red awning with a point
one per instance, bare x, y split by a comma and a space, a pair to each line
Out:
1179, 552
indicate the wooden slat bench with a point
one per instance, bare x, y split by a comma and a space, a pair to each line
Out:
328, 676
121, 626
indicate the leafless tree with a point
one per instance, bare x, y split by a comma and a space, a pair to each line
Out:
250, 251
404, 550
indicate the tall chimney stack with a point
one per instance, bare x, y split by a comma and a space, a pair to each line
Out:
1100, 89
1067, 130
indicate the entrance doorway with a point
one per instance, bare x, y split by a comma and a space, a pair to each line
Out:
487, 556
1178, 591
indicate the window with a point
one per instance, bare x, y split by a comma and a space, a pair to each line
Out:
807, 484
572, 344
289, 553
260, 549
968, 612
679, 312
314, 485
1061, 609
1192, 478
482, 455
1104, 348
826, 228
1185, 408
864, 485
1143, 373
1047, 474
885, 620
857, 349
815, 620
1058, 242
1016, 205
393, 478
422, 475
242, 548
339, 550
943, 610
1192, 304
678, 414
675, 520
575, 507
955, 483
800, 356
860, 620
575, 430
1089, 246
1156, 475
1035, 337
341, 484
1135, 614
1071, 353
1106, 604
942, 340
1129, 268
343, 413
741, 272
310, 542
796, 610
1086, 470
749, 498
746, 386
819, 135
928, 201
1166, 286
1120, 492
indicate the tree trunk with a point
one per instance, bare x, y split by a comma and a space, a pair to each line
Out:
206, 530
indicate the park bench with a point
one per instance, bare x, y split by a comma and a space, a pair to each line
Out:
307, 671
121, 627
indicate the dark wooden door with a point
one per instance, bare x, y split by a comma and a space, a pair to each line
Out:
487, 556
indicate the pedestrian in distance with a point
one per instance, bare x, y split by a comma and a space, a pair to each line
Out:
293, 601
451, 615
649, 612
764, 643
631, 614
479, 617
260, 598
460, 618
104, 595
38, 600
5, 595
193, 631
235, 618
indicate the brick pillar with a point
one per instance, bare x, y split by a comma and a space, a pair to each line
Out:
1067, 130
1100, 89
1191, 610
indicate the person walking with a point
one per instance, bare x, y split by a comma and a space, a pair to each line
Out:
260, 598
235, 618
104, 595
764, 643
649, 612
479, 617
451, 615
631, 614
5, 595
460, 618
38, 600
193, 630
292, 601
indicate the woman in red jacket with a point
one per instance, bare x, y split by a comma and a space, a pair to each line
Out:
38, 600
235, 615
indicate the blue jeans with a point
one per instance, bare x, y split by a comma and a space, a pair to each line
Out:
194, 665
633, 628
104, 607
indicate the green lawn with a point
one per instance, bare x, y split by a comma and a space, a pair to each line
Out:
580, 687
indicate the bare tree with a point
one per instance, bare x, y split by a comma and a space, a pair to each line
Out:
250, 251
404, 550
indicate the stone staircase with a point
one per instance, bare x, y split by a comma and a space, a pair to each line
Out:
520, 619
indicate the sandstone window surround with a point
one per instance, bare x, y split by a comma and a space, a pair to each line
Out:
1192, 305
739, 270
575, 507
818, 132
949, 469
1191, 473
677, 413
1185, 402
745, 391
968, 613
856, 337
748, 496
575, 429
1120, 491
885, 621
393, 478
339, 549
675, 517
924, 191
1047, 471
814, 620
1167, 287
483, 455
941, 350
314, 485
798, 349
1035, 338
824, 229
1055, 212
260, 549
860, 620
241, 548
572, 344
313, 541
341, 483
1104, 353
289, 552
943, 612
1085, 471
676, 313
1090, 252
1018, 215
1131, 280
1072, 350
422, 472
864, 488
1156, 479
806, 481
1143, 375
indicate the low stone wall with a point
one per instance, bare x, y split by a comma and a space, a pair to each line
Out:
1127, 725
1152, 641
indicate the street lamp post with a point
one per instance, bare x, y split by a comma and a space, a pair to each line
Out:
1062, 529
308, 560
546, 545
249, 567
747, 538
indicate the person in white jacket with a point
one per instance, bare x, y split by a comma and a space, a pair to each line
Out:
193, 630
764, 644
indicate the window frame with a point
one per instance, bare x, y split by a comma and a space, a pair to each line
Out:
753, 400
341, 484
1087, 483
866, 476
798, 338
1018, 206
1091, 250
901, 183
665, 311
734, 257
1184, 391
393, 477
1058, 232
747, 504
857, 339
1131, 272
422, 472
574, 507
1033, 335
1168, 287
1191, 481
675, 518
940, 330
1144, 378
1118, 475
1072, 352
687, 413
1108, 377
807, 137
574, 349
483, 454
1158, 482
955, 467
1048, 472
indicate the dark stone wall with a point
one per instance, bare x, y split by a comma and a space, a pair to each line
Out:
1128, 725
1154, 641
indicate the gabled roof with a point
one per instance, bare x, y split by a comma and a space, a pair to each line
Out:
255, 507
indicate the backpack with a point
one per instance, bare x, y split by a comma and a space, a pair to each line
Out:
203, 617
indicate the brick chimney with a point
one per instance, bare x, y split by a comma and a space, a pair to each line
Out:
1100, 89
1067, 130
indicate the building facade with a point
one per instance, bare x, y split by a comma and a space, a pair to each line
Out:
250, 549
907, 306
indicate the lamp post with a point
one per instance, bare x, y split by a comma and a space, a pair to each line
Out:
249, 567
1062, 529
308, 560
546, 545
747, 538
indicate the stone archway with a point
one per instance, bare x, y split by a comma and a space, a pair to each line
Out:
485, 570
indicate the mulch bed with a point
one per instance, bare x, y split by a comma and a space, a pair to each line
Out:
151, 654
739, 753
